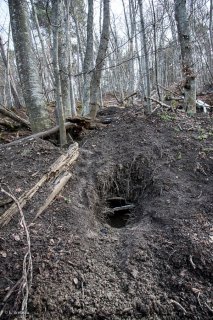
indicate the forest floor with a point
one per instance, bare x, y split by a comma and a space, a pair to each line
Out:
154, 261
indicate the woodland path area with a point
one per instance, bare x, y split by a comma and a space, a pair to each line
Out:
152, 261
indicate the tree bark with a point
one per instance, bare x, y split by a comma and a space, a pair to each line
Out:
88, 59
56, 14
12, 82
27, 66
186, 54
96, 76
147, 108
63, 59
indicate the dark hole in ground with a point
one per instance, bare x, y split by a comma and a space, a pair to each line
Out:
118, 219
119, 214
124, 190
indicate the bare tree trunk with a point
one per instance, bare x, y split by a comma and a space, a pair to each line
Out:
186, 54
10, 100
63, 59
147, 108
96, 76
42, 42
88, 59
56, 15
12, 82
155, 49
27, 67
69, 48
211, 33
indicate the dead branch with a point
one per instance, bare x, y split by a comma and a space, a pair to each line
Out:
41, 135
54, 170
12, 115
26, 280
126, 207
131, 95
60, 183
117, 99
166, 89
160, 103
153, 111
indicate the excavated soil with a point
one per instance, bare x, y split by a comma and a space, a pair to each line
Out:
152, 260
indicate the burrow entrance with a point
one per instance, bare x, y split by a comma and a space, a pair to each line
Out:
123, 191
119, 212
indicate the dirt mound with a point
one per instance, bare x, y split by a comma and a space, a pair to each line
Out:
131, 235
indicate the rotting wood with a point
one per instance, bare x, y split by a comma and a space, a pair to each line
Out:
8, 125
87, 123
60, 183
12, 115
41, 135
81, 121
54, 170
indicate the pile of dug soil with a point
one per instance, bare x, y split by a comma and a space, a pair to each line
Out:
130, 236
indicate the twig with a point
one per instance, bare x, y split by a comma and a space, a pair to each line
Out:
208, 307
200, 194
192, 263
179, 305
198, 299
26, 280
179, 126
153, 111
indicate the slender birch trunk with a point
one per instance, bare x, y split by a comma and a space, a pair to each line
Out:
63, 59
96, 76
147, 107
27, 66
14, 92
70, 71
88, 59
186, 54
56, 15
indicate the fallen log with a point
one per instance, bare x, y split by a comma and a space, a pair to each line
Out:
58, 186
41, 135
81, 121
160, 103
8, 125
54, 170
13, 116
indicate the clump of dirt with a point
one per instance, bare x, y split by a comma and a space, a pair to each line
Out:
130, 237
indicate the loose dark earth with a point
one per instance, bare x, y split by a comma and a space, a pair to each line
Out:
153, 260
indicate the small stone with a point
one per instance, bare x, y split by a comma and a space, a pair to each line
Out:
134, 273
75, 281
3, 254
